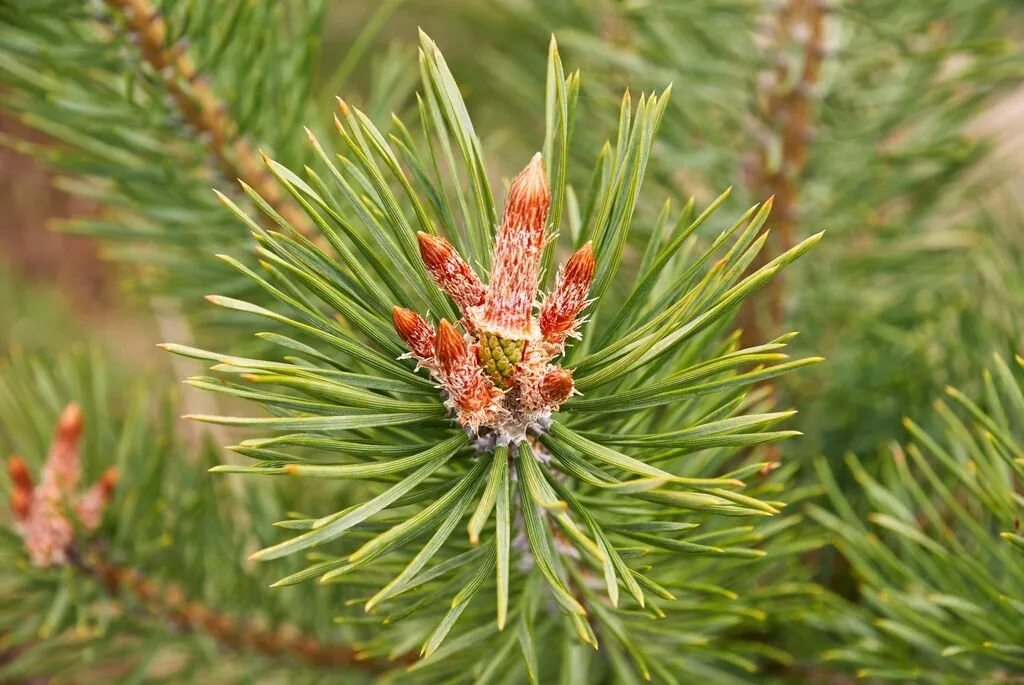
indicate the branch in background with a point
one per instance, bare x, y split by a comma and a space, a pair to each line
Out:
785, 101
201, 108
170, 604
51, 537
205, 113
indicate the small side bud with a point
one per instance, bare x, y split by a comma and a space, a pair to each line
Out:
470, 393
17, 469
108, 481
91, 505
579, 269
569, 296
548, 388
449, 347
555, 386
416, 333
450, 271
21, 503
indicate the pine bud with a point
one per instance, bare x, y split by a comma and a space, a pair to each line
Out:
555, 386
108, 481
414, 332
517, 252
91, 505
18, 471
450, 271
69, 425
21, 503
62, 465
449, 347
569, 296
529, 199
469, 391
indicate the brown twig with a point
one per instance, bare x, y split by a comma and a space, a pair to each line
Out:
171, 605
208, 116
786, 104
200, 107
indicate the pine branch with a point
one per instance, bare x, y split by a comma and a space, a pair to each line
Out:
170, 605
486, 405
200, 106
932, 532
151, 142
157, 513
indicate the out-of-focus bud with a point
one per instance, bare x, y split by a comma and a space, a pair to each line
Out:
69, 425
21, 503
92, 504
17, 469
108, 481
62, 465
21, 493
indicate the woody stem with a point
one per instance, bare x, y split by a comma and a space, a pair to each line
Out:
788, 108
201, 108
171, 606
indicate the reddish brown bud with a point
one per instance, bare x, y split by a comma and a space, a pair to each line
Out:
435, 250
21, 503
69, 425
555, 386
62, 464
91, 505
198, 614
469, 391
580, 267
569, 296
529, 199
18, 471
449, 346
108, 481
414, 332
517, 252
450, 271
